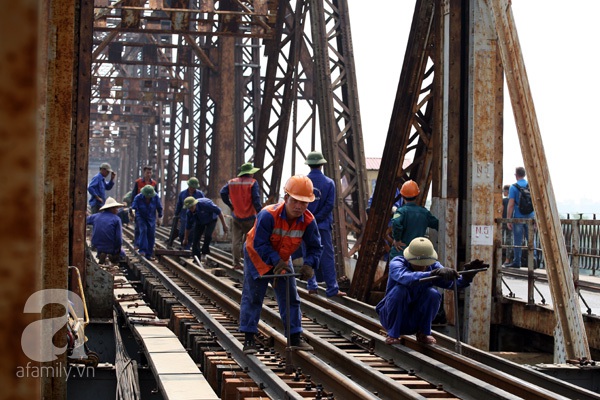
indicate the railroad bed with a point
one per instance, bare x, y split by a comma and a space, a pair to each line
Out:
350, 360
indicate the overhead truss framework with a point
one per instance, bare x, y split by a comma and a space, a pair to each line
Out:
154, 86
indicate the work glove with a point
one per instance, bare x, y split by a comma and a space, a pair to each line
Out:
473, 265
447, 274
159, 221
282, 267
306, 272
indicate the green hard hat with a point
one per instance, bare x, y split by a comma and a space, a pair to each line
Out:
189, 201
315, 158
148, 191
194, 183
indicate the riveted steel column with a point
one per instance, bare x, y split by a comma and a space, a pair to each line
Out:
223, 143
55, 159
81, 138
570, 331
484, 188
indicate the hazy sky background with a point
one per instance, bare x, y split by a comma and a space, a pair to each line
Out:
559, 44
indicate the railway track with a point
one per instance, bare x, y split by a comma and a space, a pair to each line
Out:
351, 359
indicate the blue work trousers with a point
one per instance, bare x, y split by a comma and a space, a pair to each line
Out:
253, 294
326, 266
147, 235
408, 310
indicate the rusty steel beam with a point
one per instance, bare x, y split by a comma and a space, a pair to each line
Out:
24, 28
179, 117
484, 183
409, 112
226, 127
339, 118
55, 160
278, 97
570, 338
81, 125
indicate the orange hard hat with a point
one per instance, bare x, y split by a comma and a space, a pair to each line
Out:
300, 187
410, 189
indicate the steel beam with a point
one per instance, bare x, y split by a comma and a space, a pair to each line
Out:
24, 27
570, 334
339, 119
55, 161
484, 183
412, 110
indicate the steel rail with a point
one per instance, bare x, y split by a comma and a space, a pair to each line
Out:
455, 381
274, 385
473, 361
487, 367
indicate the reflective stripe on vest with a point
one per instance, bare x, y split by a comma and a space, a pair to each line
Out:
284, 240
240, 195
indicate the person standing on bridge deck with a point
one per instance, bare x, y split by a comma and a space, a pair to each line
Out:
411, 220
181, 212
98, 187
520, 231
146, 206
145, 179
202, 216
410, 305
278, 231
322, 209
107, 232
242, 196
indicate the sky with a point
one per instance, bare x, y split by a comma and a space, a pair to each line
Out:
559, 45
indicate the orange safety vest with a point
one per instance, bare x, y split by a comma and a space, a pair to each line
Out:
141, 183
240, 195
285, 239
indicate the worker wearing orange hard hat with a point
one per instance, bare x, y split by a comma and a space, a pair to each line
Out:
411, 220
279, 230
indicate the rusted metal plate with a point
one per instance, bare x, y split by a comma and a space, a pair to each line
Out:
20, 233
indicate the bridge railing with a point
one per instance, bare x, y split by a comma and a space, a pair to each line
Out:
582, 239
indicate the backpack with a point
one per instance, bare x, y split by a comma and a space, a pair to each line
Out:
525, 203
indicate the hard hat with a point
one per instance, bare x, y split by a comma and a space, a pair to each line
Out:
189, 201
106, 166
410, 189
248, 168
110, 203
300, 187
420, 252
315, 158
193, 183
148, 191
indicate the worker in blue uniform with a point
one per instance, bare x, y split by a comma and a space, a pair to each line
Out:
278, 231
98, 186
202, 216
147, 206
410, 305
180, 211
322, 209
107, 232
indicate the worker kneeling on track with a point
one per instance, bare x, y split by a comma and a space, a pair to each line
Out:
279, 230
411, 302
